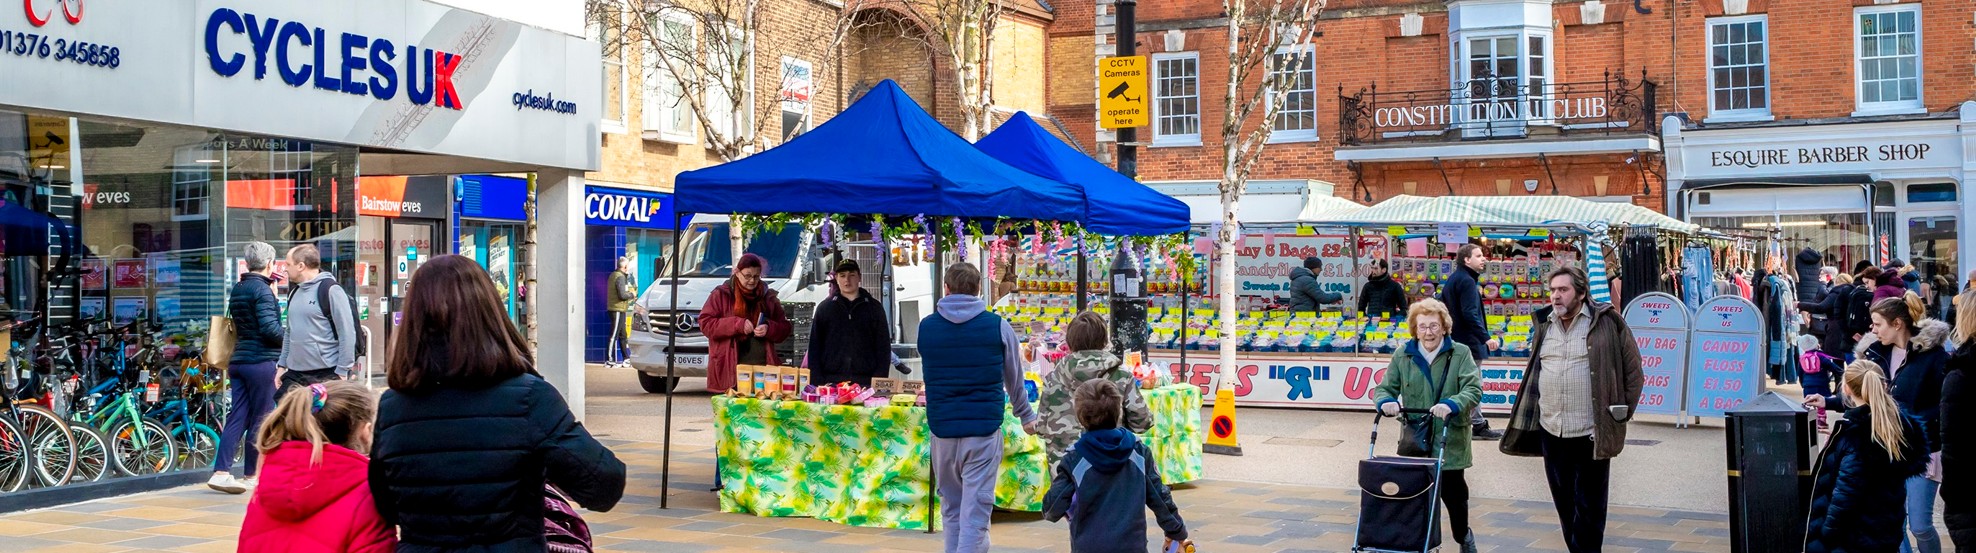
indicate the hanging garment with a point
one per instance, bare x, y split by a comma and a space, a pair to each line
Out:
1641, 264
1595, 270
1697, 276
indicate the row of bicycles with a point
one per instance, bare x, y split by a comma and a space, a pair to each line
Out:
85, 401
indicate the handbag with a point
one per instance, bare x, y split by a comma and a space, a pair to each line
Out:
1416, 432
562, 527
220, 341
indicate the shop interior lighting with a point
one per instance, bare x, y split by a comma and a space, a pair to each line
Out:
1785, 224
205, 161
54, 167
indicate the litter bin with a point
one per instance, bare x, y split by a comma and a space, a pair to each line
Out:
1769, 442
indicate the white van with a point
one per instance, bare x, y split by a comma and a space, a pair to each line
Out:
798, 270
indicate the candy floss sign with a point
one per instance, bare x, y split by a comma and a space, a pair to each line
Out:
1726, 356
1263, 263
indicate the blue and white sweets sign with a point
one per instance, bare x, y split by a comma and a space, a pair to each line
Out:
1726, 356
1660, 329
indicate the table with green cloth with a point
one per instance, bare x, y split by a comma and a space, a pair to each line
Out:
864, 466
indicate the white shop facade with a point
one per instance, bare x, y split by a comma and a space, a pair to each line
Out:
1854, 190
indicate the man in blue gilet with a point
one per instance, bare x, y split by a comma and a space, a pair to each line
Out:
973, 367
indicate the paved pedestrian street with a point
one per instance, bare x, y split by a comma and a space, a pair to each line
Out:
1224, 517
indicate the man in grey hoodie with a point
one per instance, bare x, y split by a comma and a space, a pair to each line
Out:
973, 367
321, 344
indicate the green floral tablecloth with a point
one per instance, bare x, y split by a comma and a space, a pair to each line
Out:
870, 467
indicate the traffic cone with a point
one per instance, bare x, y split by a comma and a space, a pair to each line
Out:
1221, 426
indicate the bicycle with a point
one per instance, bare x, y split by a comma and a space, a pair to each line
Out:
47, 445
198, 442
92, 460
139, 446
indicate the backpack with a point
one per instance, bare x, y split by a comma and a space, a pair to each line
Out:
363, 334
562, 527
1858, 311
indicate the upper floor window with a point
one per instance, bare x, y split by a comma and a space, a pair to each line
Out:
1507, 80
730, 84
1291, 68
605, 28
1739, 68
669, 66
1177, 98
1889, 52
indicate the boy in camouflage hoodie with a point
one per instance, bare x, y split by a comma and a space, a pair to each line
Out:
1088, 360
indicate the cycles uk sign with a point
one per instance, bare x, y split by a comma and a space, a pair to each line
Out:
304, 55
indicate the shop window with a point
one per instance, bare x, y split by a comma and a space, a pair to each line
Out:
1177, 99
668, 66
1292, 69
1739, 68
1889, 54
1841, 237
1937, 192
1931, 248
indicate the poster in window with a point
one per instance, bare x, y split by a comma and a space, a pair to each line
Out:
95, 275
165, 271
130, 273
123, 311
168, 308
92, 308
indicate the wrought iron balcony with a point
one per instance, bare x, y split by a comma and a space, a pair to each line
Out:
1492, 108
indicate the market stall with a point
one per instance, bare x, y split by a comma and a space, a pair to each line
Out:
1333, 358
869, 466
889, 164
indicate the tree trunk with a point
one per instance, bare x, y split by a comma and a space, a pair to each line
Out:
1225, 275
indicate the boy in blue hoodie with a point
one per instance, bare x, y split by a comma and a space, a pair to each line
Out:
1107, 478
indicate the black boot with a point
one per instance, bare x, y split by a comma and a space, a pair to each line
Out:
1482, 432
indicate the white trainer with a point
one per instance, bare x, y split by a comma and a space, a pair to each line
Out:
224, 482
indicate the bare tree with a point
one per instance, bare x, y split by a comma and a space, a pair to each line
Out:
707, 53
963, 32
1260, 75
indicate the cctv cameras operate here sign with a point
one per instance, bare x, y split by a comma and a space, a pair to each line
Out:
1122, 92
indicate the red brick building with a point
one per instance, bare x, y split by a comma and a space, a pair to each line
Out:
1586, 98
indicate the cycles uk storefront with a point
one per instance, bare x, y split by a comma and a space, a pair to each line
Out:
144, 144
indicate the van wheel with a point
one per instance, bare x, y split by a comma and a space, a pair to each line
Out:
657, 384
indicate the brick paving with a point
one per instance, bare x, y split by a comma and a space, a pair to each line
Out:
1224, 516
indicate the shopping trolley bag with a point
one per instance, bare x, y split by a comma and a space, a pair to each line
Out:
1398, 496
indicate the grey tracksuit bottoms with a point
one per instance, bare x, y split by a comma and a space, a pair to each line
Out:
966, 469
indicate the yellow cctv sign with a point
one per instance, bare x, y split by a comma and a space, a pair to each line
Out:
1122, 92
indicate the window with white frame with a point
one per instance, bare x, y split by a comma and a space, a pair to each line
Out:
730, 69
192, 182
1291, 67
798, 85
1506, 79
1177, 98
1889, 52
606, 29
667, 114
1739, 67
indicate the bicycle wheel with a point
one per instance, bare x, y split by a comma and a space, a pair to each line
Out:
143, 449
16, 462
92, 454
53, 444
198, 446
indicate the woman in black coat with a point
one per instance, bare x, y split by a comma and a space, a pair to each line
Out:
469, 436
1958, 421
849, 339
1859, 491
256, 316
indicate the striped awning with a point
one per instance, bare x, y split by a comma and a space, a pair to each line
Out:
1554, 212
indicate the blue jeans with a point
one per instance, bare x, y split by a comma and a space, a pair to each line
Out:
252, 389
1921, 517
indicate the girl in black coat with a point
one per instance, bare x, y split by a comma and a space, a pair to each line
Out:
1859, 487
1958, 422
849, 339
468, 437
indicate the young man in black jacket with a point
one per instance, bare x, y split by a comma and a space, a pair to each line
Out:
1107, 479
1463, 294
849, 339
1381, 297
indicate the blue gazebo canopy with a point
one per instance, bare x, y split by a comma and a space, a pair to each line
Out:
882, 155
1114, 204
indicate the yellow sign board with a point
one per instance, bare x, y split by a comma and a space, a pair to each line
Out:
1123, 95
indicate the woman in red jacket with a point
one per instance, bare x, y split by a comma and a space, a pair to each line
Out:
743, 321
315, 485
